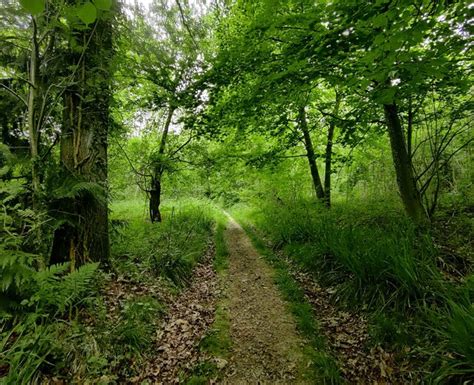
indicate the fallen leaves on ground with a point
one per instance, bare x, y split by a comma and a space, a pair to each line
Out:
348, 338
188, 319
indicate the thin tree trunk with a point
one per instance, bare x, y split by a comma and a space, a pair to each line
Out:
155, 200
410, 130
155, 191
32, 113
403, 167
310, 155
166, 128
328, 156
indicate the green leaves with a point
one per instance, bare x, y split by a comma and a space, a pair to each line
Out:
104, 5
34, 7
380, 21
386, 96
87, 12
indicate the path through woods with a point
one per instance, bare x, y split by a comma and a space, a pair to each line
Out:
266, 348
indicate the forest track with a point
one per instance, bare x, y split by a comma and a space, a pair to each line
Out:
266, 348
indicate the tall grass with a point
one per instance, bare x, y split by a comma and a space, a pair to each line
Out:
379, 259
376, 259
170, 249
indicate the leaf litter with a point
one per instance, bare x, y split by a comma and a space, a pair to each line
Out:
189, 315
347, 337
186, 323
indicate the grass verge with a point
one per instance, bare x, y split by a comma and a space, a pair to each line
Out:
217, 343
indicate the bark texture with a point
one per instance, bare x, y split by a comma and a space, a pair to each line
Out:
328, 155
84, 151
32, 117
158, 169
403, 166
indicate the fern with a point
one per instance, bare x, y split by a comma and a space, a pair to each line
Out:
16, 274
73, 189
15, 268
57, 291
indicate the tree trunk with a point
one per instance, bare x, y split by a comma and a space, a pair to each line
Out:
403, 167
155, 191
84, 152
410, 130
32, 113
318, 187
155, 200
328, 156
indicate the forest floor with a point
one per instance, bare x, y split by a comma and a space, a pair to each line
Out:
188, 319
266, 348
265, 343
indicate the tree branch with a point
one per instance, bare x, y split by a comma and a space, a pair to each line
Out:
14, 94
183, 19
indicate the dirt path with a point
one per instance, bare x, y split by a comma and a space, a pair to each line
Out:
266, 347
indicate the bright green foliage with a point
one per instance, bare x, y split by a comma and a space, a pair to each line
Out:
138, 323
28, 351
220, 109
87, 13
170, 252
373, 258
56, 292
379, 261
49, 293
103, 4
33, 6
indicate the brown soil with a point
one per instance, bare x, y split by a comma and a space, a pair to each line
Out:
266, 348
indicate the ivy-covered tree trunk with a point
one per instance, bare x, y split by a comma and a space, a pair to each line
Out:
403, 166
328, 155
155, 191
84, 152
310, 155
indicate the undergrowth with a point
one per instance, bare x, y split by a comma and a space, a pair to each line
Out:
377, 261
67, 325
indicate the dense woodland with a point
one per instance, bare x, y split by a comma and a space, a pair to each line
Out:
338, 134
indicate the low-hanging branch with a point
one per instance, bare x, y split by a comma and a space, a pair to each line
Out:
183, 18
